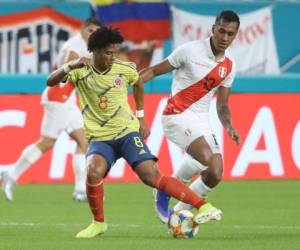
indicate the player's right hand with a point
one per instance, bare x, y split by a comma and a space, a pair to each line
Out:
234, 135
80, 62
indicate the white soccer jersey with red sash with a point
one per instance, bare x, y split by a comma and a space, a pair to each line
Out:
65, 92
196, 76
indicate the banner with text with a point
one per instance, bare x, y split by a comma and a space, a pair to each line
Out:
254, 47
30, 40
270, 147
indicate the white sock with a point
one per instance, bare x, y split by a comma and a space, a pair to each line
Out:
199, 188
79, 168
29, 156
188, 168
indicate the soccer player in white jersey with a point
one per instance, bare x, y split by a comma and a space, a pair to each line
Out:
60, 113
200, 68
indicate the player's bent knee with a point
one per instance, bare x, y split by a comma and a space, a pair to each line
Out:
95, 171
45, 143
216, 175
218, 170
148, 179
148, 173
206, 160
212, 176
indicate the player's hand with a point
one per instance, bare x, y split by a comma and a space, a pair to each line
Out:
234, 135
144, 130
80, 63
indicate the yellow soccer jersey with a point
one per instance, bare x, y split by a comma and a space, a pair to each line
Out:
104, 100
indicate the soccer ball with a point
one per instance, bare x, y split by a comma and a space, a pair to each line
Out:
182, 225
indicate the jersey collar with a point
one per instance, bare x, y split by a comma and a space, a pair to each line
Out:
210, 53
101, 73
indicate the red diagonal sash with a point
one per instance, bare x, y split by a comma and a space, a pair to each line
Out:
60, 93
186, 97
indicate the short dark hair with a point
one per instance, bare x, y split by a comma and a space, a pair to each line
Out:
92, 20
228, 16
104, 37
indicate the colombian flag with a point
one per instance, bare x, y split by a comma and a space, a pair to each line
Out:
138, 20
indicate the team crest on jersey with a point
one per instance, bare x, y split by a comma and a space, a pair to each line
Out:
222, 72
118, 81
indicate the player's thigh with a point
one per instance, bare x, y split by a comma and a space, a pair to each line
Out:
78, 136
75, 129
206, 149
100, 157
75, 124
200, 150
55, 120
134, 150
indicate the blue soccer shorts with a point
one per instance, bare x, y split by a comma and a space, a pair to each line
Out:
131, 147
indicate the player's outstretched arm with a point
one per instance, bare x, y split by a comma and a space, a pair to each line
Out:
61, 73
149, 73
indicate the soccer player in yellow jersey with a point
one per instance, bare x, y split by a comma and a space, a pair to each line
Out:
111, 128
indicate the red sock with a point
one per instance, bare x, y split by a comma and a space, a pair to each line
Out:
178, 190
94, 191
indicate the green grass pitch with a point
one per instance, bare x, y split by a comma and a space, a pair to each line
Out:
257, 215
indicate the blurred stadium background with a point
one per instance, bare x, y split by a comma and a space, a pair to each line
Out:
265, 109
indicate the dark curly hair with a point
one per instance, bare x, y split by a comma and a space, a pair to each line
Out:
104, 37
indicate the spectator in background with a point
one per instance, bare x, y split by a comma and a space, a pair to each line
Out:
200, 68
60, 113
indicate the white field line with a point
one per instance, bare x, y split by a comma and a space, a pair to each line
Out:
237, 227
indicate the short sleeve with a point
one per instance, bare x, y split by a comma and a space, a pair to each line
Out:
178, 56
133, 78
72, 77
133, 74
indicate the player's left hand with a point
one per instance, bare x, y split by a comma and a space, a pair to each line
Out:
144, 130
234, 135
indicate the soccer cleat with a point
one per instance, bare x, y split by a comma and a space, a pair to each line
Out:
204, 197
94, 229
79, 196
161, 205
206, 213
7, 186
171, 211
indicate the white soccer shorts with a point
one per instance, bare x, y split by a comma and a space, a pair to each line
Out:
182, 129
58, 117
